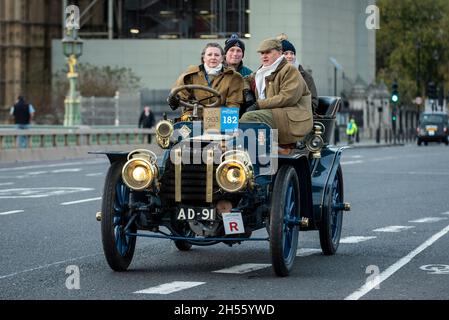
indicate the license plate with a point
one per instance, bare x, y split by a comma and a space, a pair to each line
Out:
431, 133
202, 214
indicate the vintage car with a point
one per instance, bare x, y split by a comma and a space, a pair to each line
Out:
218, 180
433, 127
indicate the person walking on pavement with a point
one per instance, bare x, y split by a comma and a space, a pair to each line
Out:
146, 120
23, 114
351, 130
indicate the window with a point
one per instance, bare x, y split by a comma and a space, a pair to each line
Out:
176, 19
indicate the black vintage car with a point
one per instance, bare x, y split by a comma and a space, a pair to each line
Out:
433, 127
209, 187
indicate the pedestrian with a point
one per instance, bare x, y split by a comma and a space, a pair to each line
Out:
146, 120
289, 52
210, 73
283, 100
23, 114
351, 130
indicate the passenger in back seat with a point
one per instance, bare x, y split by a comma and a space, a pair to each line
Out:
289, 52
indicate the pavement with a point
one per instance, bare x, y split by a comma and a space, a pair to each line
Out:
371, 143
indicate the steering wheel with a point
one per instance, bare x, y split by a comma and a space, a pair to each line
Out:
192, 103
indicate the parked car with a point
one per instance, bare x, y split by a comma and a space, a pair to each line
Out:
207, 188
433, 127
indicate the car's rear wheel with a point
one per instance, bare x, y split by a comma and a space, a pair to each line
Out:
117, 246
284, 220
332, 220
419, 142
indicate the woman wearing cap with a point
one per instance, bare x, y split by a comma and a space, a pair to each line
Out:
283, 98
289, 51
234, 52
213, 74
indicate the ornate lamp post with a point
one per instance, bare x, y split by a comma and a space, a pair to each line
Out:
72, 48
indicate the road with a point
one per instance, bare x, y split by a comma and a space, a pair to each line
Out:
394, 240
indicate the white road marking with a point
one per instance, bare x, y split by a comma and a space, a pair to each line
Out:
447, 213
94, 174
244, 268
10, 212
6, 184
80, 201
46, 266
428, 220
355, 239
46, 166
66, 170
436, 268
367, 287
393, 229
171, 287
35, 173
20, 193
352, 162
304, 252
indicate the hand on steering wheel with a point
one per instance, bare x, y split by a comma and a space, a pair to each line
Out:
190, 104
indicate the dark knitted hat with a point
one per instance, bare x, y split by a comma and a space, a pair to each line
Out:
288, 46
234, 41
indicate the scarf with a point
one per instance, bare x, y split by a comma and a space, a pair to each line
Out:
213, 71
264, 72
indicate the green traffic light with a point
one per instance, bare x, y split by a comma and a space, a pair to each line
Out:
394, 98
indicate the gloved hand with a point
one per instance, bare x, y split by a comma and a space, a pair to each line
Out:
253, 107
248, 97
173, 102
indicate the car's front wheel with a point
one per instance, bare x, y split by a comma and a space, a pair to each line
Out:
118, 247
284, 220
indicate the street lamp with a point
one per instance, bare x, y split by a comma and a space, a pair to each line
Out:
72, 47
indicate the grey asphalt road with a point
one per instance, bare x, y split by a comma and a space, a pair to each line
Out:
394, 240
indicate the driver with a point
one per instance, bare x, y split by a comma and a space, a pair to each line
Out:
213, 74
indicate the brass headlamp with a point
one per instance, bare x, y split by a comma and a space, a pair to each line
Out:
164, 131
315, 142
140, 170
235, 172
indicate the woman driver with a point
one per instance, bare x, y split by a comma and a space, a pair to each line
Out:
213, 74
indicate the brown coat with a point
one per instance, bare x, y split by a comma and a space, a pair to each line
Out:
290, 101
229, 83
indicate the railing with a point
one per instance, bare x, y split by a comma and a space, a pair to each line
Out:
51, 138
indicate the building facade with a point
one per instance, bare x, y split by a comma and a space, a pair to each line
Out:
159, 39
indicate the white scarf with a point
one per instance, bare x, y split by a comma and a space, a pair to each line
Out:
264, 72
213, 71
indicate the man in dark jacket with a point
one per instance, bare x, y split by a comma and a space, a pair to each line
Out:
146, 120
23, 113
289, 51
234, 53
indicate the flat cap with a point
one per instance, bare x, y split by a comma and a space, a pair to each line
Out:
269, 44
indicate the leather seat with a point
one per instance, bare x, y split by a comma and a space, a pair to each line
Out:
328, 107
